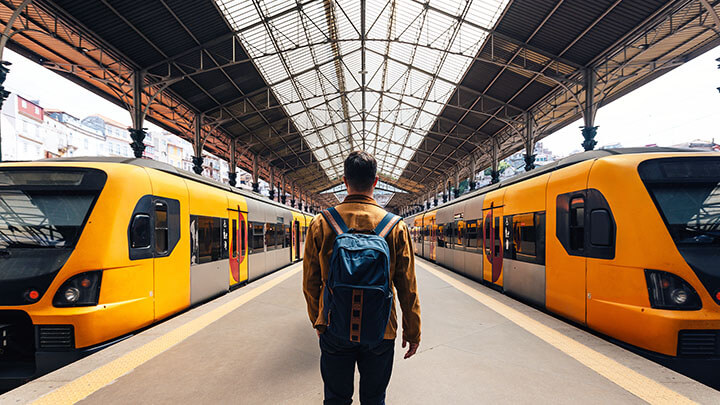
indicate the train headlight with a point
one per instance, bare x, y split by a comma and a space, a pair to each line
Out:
80, 290
679, 296
72, 294
668, 291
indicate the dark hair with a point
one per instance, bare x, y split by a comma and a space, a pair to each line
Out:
360, 170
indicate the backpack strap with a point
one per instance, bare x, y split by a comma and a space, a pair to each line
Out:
386, 225
335, 221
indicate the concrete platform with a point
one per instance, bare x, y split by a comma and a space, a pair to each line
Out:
256, 346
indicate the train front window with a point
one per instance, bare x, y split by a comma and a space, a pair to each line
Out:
41, 208
691, 211
687, 194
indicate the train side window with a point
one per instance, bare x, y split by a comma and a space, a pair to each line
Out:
243, 238
577, 223
488, 237
233, 239
459, 234
471, 234
161, 228
524, 237
140, 232
270, 236
257, 244
288, 234
498, 240
209, 239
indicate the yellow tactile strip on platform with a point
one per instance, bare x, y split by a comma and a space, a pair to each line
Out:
635, 383
82, 387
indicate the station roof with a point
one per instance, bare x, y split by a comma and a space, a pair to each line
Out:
426, 86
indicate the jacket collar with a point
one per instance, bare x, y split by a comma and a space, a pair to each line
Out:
359, 198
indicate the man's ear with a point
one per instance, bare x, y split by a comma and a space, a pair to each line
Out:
345, 182
375, 182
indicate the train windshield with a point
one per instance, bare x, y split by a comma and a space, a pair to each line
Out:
45, 208
686, 191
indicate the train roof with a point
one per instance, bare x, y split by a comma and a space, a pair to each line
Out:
164, 167
559, 164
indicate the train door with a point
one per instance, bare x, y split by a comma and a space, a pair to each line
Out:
296, 238
433, 239
238, 246
493, 244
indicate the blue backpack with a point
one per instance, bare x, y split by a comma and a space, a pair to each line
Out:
357, 299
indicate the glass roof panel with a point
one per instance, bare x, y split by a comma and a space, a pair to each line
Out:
311, 55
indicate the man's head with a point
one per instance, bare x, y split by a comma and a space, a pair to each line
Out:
360, 173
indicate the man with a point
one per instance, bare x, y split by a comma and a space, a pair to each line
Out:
360, 212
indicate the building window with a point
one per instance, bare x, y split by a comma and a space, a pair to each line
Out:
23, 103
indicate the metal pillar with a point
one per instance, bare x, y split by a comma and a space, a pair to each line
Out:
444, 192
473, 172
232, 175
494, 172
283, 197
589, 130
529, 142
272, 183
255, 175
137, 132
292, 194
456, 191
427, 201
435, 199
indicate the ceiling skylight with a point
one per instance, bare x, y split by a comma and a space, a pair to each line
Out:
381, 93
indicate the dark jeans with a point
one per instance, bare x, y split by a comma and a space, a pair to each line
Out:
337, 366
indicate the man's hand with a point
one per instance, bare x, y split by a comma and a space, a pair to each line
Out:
411, 350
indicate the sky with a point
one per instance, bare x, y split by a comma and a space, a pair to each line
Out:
680, 106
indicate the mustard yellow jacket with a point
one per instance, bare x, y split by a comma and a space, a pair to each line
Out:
363, 213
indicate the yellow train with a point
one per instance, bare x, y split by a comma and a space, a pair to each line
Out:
94, 249
623, 241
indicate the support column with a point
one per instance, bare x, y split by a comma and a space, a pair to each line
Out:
473, 172
494, 172
272, 183
529, 142
300, 201
232, 175
445, 191
283, 197
137, 132
255, 175
427, 201
292, 194
589, 130
435, 198
456, 191
198, 146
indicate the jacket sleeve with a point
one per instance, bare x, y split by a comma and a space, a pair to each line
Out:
312, 276
406, 285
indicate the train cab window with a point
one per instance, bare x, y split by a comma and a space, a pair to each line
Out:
601, 228
161, 228
257, 244
140, 231
577, 223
